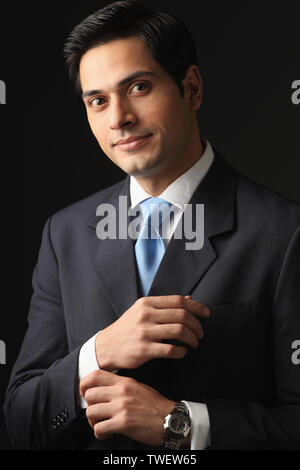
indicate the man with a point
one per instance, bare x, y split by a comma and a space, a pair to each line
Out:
186, 348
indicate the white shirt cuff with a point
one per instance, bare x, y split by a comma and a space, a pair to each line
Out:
87, 363
200, 425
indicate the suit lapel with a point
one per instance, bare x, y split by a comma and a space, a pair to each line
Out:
114, 260
181, 269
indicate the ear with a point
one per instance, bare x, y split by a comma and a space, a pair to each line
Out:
193, 87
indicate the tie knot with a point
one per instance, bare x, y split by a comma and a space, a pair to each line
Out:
154, 210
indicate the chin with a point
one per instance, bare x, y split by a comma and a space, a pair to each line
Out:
143, 172
139, 167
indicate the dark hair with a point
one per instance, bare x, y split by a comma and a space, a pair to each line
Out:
168, 39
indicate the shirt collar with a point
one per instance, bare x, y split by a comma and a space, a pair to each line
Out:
181, 190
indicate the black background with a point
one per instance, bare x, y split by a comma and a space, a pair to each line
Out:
249, 57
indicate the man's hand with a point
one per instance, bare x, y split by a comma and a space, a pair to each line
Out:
136, 336
121, 405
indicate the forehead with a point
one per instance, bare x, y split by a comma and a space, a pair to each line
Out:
105, 65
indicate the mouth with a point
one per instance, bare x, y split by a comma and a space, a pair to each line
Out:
133, 144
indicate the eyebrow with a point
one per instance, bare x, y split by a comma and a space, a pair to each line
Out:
122, 82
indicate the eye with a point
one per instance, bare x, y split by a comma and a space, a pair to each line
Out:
141, 86
96, 102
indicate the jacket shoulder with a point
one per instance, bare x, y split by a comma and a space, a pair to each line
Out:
84, 209
269, 208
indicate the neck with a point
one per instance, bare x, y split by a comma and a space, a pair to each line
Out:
156, 184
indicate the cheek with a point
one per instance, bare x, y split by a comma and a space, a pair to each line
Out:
98, 130
174, 125
93, 125
169, 115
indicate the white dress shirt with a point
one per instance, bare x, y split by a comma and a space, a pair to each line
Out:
177, 193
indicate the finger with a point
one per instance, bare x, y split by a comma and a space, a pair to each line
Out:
105, 429
178, 301
99, 394
103, 436
168, 351
97, 378
174, 331
163, 316
196, 308
98, 412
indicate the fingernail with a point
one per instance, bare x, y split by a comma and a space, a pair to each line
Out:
206, 311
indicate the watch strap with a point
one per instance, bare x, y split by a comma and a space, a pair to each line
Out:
172, 443
180, 406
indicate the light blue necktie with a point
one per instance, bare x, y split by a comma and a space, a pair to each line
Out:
149, 247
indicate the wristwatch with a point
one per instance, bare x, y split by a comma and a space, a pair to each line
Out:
177, 426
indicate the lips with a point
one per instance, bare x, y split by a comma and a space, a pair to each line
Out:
132, 142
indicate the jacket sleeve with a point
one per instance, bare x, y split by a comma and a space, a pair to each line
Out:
238, 424
41, 399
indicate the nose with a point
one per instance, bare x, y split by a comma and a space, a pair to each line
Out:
122, 115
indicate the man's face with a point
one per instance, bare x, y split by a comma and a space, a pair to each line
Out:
129, 95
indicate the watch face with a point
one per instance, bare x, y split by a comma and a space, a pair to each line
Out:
178, 424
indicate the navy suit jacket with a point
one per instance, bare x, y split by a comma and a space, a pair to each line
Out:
247, 272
